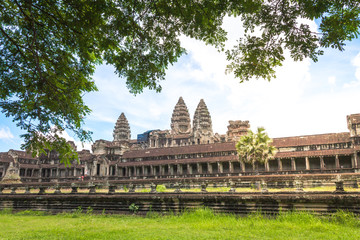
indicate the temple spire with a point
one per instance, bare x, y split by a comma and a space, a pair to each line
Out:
180, 120
122, 129
202, 124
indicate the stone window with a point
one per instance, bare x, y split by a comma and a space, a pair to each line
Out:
300, 148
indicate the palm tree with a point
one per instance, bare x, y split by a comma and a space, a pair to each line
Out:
255, 148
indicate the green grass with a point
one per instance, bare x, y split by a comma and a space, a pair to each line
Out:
201, 224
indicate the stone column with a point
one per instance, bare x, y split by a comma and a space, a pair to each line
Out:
162, 169
322, 163
143, 170
293, 164
189, 169
337, 162
171, 169
179, 169
199, 168
116, 170
231, 167
354, 162
156, 144
307, 164
220, 167
210, 169
279, 164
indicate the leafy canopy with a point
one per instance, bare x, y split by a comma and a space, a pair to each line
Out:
255, 148
49, 49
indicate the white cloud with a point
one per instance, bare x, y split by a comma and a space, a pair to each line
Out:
80, 145
5, 133
356, 63
292, 104
332, 80
247, 101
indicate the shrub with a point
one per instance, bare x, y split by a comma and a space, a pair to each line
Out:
160, 188
134, 208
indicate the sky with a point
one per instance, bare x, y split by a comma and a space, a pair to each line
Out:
306, 97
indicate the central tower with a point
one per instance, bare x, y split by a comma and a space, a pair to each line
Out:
202, 125
180, 120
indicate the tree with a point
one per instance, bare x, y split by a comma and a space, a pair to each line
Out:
254, 148
49, 49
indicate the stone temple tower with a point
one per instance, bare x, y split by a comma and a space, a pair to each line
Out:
353, 122
180, 120
122, 129
202, 125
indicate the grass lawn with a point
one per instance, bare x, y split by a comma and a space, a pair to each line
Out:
201, 224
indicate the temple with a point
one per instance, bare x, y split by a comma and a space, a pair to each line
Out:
188, 149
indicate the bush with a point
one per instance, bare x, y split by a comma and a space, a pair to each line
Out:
160, 188
134, 208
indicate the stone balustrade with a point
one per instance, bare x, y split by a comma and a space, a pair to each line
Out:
115, 187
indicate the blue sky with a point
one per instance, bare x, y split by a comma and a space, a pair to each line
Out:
305, 98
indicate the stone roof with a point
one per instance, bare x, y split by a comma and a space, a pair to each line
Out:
23, 154
277, 142
316, 153
202, 148
182, 161
319, 139
36, 166
4, 157
86, 156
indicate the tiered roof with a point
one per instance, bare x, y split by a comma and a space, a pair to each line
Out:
180, 120
202, 120
122, 129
